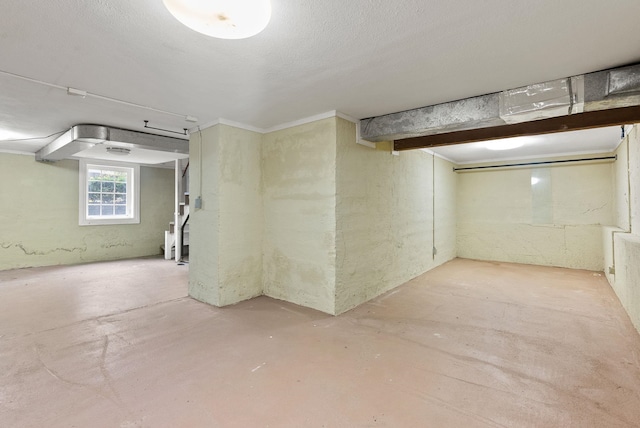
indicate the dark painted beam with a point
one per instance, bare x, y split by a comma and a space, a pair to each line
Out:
574, 122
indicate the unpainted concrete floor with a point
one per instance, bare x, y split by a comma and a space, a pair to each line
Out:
469, 344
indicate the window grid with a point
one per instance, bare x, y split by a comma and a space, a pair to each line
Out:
106, 193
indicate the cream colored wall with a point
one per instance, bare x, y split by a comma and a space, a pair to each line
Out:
385, 217
557, 222
298, 166
446, 209
280, 210
633, 140
225, 254
39, 216
625, 254
204, 222
241, 215
622, 211
626, 282
621, 186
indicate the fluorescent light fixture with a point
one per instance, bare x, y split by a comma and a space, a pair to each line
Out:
505, 144
224, 19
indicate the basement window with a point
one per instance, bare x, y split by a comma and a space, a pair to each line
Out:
109, 193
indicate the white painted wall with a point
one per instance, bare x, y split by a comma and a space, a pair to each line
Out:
39, 216
502, 216
299, 169
385, 217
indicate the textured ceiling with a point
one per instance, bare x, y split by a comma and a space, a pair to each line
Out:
360, 57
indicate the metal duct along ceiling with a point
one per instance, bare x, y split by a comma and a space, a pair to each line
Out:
604, 98
83, 137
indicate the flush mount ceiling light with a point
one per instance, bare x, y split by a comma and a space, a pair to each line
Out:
506, 144
120, 151
224, 19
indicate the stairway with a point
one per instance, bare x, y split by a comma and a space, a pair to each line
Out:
176, 235
176, 239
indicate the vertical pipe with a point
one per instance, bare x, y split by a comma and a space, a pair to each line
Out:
433, 206
177, 218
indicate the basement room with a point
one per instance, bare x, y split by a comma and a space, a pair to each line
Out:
319, 214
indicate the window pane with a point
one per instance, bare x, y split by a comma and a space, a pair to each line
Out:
94, 186
109, 193
108, 186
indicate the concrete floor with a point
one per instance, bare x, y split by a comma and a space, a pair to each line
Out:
470, 344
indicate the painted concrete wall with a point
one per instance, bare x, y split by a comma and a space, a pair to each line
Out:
39, 216
633, 139
308, 216
385, 217
624, 255
622, 209
298, 166
225, 255
626, 282
621, 186
446, 209
502, 216
241, 215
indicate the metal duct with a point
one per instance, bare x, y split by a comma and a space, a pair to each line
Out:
602, 90
82, 137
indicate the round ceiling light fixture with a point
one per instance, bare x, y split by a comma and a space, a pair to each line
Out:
224, 19
506, 143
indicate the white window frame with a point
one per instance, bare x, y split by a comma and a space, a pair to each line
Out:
133, 193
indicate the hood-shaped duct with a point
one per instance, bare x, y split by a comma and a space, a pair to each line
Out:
83, 137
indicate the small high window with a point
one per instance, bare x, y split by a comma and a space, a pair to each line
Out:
109, 193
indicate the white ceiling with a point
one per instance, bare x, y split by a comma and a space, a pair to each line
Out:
360, 57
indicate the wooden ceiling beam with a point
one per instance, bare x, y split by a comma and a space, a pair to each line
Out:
574, 122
